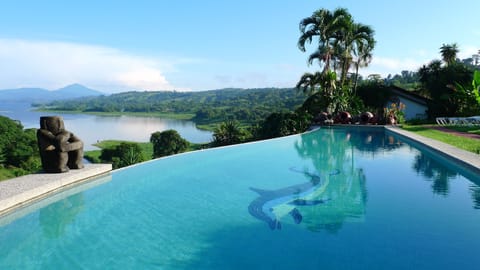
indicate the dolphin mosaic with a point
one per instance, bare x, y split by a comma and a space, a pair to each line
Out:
271, 205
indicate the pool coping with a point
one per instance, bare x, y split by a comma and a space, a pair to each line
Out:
464, 157
21, 191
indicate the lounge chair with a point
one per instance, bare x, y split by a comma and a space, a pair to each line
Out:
458, 121
442, 121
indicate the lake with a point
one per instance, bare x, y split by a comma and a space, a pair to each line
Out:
93, 128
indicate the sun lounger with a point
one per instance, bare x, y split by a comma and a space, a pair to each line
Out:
442, 121
458, 121
474, 120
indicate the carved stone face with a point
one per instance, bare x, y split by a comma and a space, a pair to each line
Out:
53, 124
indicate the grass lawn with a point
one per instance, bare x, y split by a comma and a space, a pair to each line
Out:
6, 174
468, 144
468, 129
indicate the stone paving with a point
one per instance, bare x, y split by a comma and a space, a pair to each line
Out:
469, 159
17, 192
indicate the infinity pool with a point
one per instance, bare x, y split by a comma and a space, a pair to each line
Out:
328, 199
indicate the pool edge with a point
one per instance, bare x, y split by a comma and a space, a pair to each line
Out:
20, 191
464, 157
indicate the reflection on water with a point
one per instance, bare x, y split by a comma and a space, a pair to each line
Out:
55, 217
272, 205
372, 140
91, 128
475, 196
441, 176
347, 198
344, 193
433, 170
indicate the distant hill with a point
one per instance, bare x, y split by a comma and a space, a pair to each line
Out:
213, 106
39, 95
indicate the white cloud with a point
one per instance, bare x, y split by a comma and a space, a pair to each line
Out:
467, 51
385, 65
52, 65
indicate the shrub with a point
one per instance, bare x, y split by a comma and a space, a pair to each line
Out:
168, 142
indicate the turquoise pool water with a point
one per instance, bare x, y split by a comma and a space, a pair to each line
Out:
329, 199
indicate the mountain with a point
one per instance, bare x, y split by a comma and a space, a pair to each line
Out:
40, 95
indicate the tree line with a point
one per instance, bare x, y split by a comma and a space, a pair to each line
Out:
206, 107
18, 149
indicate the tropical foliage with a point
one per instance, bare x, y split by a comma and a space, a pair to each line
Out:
447, 85
167, 142
229, 132
470, 93
122, 155
18, 148
341, 43
283, 124
449, 53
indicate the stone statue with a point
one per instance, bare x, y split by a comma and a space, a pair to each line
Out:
60, 150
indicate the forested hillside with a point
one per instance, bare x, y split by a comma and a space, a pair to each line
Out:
244, 105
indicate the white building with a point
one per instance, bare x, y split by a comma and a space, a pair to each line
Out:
415, 105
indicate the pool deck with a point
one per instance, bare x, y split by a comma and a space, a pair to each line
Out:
20, 191
470, 159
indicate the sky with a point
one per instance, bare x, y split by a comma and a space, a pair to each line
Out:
192, 45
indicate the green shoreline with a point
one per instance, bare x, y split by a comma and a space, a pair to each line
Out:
175, 116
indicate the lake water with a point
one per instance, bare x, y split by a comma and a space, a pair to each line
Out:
93, 128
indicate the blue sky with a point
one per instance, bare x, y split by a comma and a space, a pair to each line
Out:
190, 45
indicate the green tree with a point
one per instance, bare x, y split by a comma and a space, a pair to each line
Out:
469, 96
341, 43
22, 152
9, 131
18, 147
227, 133
283, 124
122, 155
438, 83
167, 142
355, 42
364, 57
323, 25
449, 53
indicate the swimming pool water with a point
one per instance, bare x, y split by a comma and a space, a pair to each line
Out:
328, 199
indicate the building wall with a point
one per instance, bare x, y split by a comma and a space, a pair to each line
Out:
413, 110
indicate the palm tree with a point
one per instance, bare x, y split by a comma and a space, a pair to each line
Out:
229, 132
449, 53
324, 25
320, 83
364, 57
341, 42
309, 83
355, 41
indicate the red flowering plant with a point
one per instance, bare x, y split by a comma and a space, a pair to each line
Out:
395, 113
